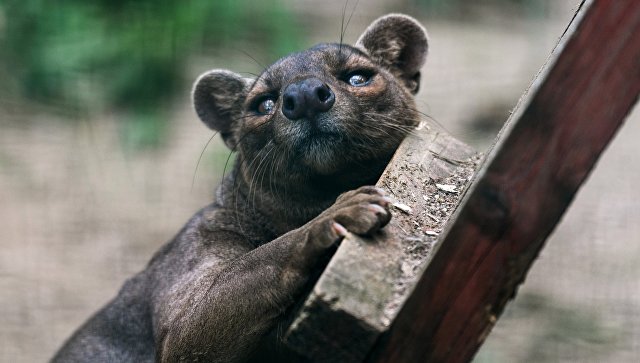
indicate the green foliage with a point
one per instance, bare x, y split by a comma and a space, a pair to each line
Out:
125, 55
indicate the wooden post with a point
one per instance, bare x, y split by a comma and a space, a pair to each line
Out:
382, 300
367, 280
544, 153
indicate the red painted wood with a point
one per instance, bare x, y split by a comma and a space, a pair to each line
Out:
544, 154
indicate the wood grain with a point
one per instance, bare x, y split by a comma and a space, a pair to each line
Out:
544, 153
367, 280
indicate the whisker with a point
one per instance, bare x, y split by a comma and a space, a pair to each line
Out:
438, 123
344, 10
195, 171
261, 65
255, 181
235, 147
388, 122
394, 120
272, 172
353, 10
267, 160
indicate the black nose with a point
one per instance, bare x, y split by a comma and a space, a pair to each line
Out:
307, 98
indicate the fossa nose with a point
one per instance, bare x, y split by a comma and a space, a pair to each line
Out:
307, 97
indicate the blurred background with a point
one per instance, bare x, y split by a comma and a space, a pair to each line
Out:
99, 145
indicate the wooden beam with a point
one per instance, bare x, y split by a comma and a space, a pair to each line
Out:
544, 153
367, 280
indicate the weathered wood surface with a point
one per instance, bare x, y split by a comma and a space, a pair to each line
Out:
367, 280
544, 153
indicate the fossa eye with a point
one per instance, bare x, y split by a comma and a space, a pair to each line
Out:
359, 79
266, 106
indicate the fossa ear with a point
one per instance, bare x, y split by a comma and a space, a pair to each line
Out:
398, 43
217, 98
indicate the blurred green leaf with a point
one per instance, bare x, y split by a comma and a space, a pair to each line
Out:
126, 55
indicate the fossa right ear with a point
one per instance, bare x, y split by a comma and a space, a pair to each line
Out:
398, 43
217, 98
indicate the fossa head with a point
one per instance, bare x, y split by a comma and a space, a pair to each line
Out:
331, 111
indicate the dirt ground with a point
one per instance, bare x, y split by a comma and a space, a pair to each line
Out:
79, 214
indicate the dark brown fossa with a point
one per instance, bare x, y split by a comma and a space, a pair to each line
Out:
311, 132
